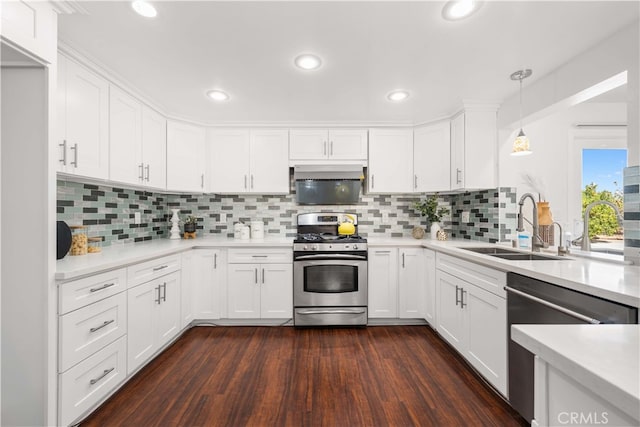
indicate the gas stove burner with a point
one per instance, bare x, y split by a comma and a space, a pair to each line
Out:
326, 237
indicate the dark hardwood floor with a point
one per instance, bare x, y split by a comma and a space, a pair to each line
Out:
282, 376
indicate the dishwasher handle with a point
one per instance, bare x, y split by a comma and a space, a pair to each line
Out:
554, 306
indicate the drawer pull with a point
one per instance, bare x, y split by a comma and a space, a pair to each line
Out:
162, 267
104, 374
106, 322
259, 256
105, 286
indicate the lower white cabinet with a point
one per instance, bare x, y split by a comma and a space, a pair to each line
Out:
203, 273
397, 282
430, 287
473, 319
154, 317
260, 291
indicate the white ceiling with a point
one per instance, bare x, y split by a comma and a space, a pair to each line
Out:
368, 48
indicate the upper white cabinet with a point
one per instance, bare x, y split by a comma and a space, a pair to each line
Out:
248, 161
185, 157
390, 161
431, 158
154, 148
474, 161
332, 144
125, 137
31, 26
83, 121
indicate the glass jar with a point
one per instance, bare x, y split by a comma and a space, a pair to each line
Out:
78, 240
94, 245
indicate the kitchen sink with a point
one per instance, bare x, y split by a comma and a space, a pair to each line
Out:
513, 255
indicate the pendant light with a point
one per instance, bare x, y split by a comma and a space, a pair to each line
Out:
521, 143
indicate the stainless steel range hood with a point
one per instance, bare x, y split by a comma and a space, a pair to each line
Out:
328, 184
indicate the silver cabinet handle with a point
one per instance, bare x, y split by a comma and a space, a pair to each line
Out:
415, 181
331, 149
458, 176
164, 292
259, 256
105, 323
141, 171
215, 261
105, 286
245, 181
75, 155
158, 299
201, 180
324, 151
162, 267
64, 152
462, 303
263, 276
147, 169
383, 252
553, 306
458, 288
373, 183
256, 274
104, 374
252, 181
403, 260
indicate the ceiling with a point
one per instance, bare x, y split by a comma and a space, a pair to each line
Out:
368, 49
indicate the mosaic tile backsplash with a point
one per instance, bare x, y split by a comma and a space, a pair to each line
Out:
109, 212
632, 214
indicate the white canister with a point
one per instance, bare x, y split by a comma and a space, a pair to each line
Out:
257, 229
244, 232
237, 230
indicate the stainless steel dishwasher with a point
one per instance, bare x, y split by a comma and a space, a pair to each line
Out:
531, 301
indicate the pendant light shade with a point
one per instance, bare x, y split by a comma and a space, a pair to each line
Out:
521, 143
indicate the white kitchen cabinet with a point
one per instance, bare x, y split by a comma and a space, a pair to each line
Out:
471, 316
390, 161
328, 144
83, 121
431, 158
125, 137
248, 161
203, 280
185, 157
154, 148
383, 282
430, 287
31, 26
260, 284
411, 283
154, 317
474, 148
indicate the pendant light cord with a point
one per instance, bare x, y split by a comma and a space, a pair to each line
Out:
520, 103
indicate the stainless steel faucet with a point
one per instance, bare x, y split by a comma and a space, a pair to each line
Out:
562, 250
586, 242
536, 240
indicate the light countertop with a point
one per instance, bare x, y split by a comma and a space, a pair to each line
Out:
603, 358
615, 282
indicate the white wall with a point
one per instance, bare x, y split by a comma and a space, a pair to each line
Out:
552, 163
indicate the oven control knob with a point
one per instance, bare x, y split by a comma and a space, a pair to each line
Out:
314, 247
354, 247
305, 248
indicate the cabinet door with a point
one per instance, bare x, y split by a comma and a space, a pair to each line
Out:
383, 282
86, 122
208, 267
430, 288
125, 138
411, 283
390, 161
308, 144
450, 315
348, 144
276, 297
269, 162
431, 158
457, 152
229, 151
487, 335
141, 313
154, 148
168, 311
188, 285
480, 148
185, 157
32, 26
243, 291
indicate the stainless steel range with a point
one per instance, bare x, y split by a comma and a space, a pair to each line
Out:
329, 272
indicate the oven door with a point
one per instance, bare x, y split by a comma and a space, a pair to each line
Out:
330, 280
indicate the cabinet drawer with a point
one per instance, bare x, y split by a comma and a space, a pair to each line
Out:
79, 293
146, 271
87, 383
87, 330
261, 256
486, 278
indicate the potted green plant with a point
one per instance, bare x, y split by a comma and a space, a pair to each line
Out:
190, 224
429, 208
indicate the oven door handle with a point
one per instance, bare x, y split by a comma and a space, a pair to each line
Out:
331, 257
554, 306
338, 311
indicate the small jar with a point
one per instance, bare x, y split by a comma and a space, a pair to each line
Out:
78, 240
94, 245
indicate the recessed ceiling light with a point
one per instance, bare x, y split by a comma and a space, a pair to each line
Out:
455, 10
217, 95
307, 61
398, 95
144, 8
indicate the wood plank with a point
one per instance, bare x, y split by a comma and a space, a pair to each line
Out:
282, 376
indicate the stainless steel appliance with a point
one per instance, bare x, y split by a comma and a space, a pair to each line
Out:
533, 301
329, 272
328, 184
